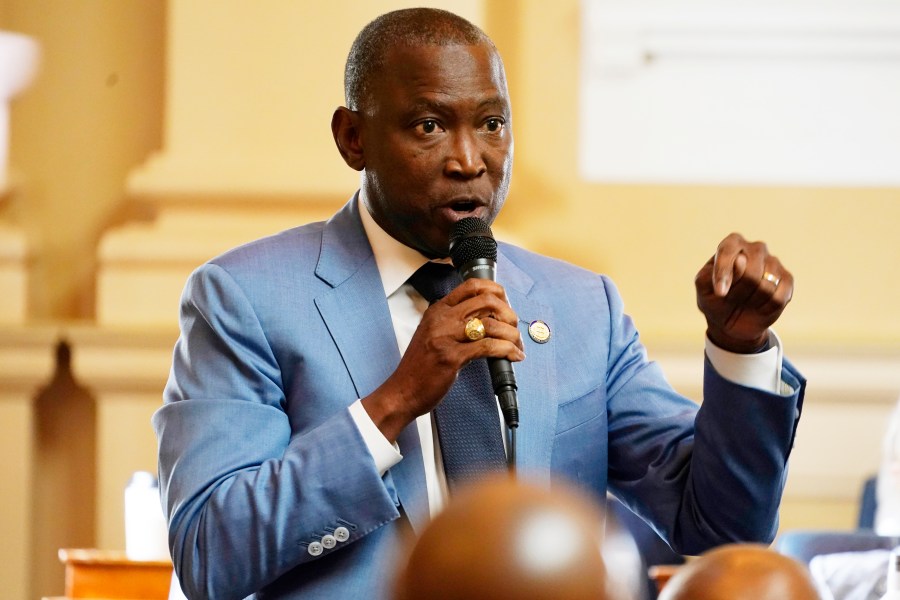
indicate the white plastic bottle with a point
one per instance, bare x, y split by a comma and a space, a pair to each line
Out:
892, 590
145, 526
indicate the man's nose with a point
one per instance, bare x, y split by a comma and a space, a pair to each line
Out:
465, 157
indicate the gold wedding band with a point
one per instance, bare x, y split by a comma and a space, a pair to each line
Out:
772, 278
475, 329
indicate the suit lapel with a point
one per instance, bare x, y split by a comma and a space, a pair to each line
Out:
355, 311
535, 377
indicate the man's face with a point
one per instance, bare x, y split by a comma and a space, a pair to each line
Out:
436, 134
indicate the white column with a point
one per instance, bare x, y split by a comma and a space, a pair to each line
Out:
27, 360
18, 63
126, 370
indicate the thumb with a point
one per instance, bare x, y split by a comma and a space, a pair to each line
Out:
723, 285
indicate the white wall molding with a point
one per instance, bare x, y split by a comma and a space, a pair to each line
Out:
741, 93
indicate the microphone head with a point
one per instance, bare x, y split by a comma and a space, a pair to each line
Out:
471, 239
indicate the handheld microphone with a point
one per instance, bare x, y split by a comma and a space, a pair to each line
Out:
473, 250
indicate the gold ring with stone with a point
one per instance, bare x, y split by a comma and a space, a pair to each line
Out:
475, 329
772, 278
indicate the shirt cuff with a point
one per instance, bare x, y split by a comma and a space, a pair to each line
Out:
385, 454
760, 371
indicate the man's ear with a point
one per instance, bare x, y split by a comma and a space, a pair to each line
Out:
345, 127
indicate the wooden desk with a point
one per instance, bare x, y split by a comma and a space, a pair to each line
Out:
110, 575
661, 574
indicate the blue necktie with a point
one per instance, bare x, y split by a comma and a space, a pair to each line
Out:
468, 424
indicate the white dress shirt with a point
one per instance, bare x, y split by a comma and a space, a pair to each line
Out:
397, 262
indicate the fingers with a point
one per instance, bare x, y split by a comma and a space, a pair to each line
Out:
746, 282
728, 263
482, 291
440, 348
775, 288
486, 301
742, 290
742, 269
763, 283
501, 337
497, 336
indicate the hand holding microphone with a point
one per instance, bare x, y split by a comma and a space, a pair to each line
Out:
473, 250
439, 347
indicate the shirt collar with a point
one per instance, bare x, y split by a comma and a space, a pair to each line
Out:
396, 261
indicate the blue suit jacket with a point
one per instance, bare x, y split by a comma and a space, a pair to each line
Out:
259, 456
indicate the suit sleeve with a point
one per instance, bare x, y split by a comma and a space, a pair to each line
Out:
245, 493
701, 476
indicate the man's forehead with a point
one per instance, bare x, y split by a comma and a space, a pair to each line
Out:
407, 62
433, 74
401, 51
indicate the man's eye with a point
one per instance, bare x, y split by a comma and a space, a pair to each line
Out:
428, 126
494, 125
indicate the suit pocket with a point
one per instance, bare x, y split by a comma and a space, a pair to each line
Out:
579, 446
581, 410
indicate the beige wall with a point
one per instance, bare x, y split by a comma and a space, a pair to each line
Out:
93, 113
841, 244
226, 135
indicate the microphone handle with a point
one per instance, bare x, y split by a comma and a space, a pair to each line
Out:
504, 381
503, 378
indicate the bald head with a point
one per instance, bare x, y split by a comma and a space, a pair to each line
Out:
411, 27
741, 572
506, 539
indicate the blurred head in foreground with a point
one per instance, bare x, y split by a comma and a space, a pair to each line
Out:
503, 538
741, 572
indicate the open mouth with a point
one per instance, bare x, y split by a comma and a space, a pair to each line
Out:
464, 206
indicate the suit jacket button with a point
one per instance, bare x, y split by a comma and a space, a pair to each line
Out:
329, 541
342, 534
315, 548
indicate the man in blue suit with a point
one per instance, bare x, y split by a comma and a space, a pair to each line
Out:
295, 443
